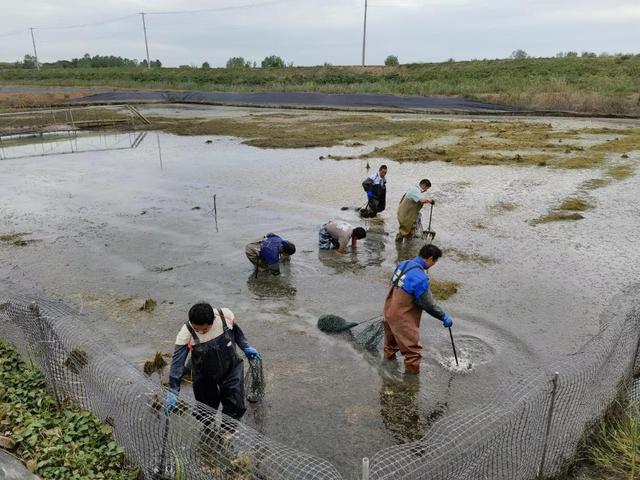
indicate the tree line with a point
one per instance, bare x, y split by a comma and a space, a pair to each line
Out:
88, 61
271, 61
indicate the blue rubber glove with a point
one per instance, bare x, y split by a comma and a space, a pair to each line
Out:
369, 194
170, 402
447, 321
251, 352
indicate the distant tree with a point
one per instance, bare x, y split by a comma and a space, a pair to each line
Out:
206, 65
155, 63
571, 54
29, 61
451, 60
272, 61
519, 54
391, 61
560, 55
605, 54
327, 64
588, 55
143, 63
238, 62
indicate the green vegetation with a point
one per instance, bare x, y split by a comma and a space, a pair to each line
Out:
391, 61
463, 256
57, 444
16, 239
566, 211
602, 85
612, 449
88, 61
575, 204
444, 289
500, 142
502, 207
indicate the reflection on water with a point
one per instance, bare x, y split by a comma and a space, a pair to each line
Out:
400, 408
400, 396
406, 250
341, 263
266, 285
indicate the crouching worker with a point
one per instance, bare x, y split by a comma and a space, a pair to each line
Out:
338, 235
268, 252
408, 296
376, 188
217, 370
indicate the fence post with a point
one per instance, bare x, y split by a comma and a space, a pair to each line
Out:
365, 468
46, 350
554, 391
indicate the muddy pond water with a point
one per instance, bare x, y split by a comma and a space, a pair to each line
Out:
123, 219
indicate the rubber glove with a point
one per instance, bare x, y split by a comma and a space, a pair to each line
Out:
251, 352
170, 402
369, 194
447, 321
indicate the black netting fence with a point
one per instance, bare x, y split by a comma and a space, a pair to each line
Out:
530, 429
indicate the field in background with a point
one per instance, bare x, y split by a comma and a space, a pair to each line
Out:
603, 85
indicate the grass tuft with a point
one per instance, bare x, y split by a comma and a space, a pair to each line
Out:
444, 289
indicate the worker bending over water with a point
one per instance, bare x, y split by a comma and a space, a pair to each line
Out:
375, 186
408, 296
268, 252
335, 234
217, 370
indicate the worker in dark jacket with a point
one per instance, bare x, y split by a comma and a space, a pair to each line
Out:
408, 296
376, 188
268, 252
217, 370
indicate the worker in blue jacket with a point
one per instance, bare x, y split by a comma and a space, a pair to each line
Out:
268, 252
408, 297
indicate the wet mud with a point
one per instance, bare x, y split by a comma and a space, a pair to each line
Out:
526, 294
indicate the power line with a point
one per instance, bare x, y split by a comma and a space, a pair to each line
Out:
15, 32
83, 25
220, 9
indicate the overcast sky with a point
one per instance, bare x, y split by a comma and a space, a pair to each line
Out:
311, 32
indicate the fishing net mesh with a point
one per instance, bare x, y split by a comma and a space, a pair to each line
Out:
254, 382
530, 428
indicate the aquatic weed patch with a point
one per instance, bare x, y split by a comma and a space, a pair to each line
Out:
65, 443
17, 239
444, 289
470, 142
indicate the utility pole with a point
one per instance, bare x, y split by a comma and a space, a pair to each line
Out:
35, 52
146, 43
364, 34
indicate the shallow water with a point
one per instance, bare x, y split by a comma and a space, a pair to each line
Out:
118, 226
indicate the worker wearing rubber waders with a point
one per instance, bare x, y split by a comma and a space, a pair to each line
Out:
268, 252
408, 296
409, 209
217, 370
375, 187
334, 234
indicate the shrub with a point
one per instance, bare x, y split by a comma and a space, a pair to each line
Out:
272, 61
391, 61
238, 62
519, 54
